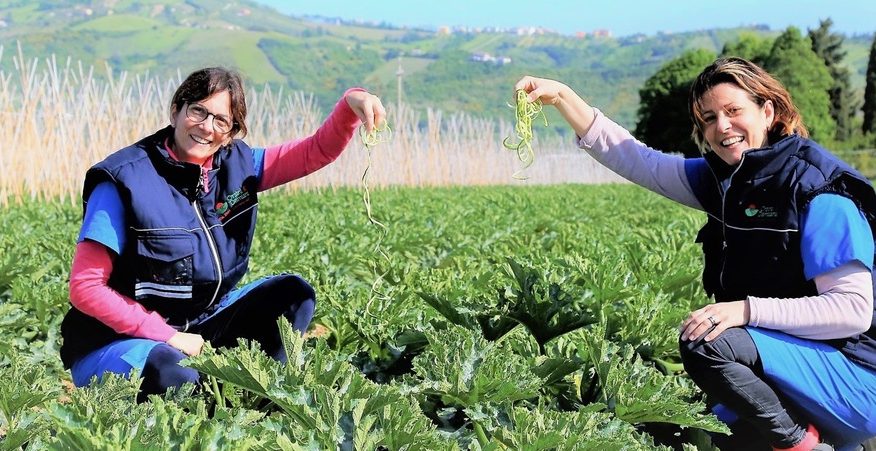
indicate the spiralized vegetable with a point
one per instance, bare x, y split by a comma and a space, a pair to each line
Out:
526, 111
376, 136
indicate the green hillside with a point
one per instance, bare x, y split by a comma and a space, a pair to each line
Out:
171, 36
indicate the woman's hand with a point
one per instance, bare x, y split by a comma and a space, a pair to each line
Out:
550, 92
721, 315
189, 344
574, 109
367, 107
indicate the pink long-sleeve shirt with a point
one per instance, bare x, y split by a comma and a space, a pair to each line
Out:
93, 262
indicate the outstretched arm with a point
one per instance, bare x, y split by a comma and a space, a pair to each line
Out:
297, 158
615, 147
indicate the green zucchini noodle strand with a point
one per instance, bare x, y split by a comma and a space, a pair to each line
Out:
526, 111
370, 139
376, 136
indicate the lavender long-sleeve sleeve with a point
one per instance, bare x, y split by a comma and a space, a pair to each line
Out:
616, 148
843, 308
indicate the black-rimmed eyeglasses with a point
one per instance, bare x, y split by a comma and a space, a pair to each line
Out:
197, 114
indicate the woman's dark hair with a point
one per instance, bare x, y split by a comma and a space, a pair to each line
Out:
203, 83
760, 86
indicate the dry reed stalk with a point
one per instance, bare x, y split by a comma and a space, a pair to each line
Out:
59, 119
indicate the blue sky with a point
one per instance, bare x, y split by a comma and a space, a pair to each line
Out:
622, 17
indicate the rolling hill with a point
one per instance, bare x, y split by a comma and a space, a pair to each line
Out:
172, 37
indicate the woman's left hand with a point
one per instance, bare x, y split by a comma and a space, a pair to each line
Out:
721, 315
367, 107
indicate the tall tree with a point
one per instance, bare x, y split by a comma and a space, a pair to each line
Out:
870, 92
749, 46
806, 77
663, 121
829, 46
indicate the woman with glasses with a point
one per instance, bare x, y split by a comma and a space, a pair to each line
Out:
166, 234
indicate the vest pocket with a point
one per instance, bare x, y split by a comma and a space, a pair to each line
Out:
165, 267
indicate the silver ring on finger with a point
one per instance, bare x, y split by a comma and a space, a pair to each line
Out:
712, 320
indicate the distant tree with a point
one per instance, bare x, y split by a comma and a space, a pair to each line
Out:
870, 92
749, 46
804, 74
663, 120
829, 46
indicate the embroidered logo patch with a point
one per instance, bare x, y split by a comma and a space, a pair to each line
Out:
223, 209
763, 211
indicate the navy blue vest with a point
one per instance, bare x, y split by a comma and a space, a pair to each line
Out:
184, 248
751, 241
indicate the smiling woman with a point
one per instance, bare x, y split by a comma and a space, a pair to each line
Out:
167, 231
787, 353
195, 138
733, 123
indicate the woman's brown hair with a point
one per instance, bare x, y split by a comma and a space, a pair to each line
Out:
203, 83
760, 86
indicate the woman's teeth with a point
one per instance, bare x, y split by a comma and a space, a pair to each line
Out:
730, 141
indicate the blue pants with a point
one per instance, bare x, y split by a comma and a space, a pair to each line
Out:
776, 384
832, 392
249, 312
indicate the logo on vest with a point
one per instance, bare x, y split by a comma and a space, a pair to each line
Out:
223, 209
753, 211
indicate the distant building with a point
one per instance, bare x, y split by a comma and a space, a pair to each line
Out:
636, 38
484, 57
525, 31
480, 57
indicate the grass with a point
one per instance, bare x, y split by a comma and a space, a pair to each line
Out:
119, 23
243, 50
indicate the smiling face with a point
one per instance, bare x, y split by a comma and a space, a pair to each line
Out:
196, 142
733, 123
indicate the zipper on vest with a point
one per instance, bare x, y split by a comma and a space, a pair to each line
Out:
724, 222
215, 253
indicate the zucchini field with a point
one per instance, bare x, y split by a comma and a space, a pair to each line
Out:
526, 317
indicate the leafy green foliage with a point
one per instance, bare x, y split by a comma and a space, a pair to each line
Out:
638, 393
465, 369
750, 46
843, 100
105, 417
663, 121
24, 390
503, 357
582, 430
804, 74
869, 107
326, 401
546, 311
